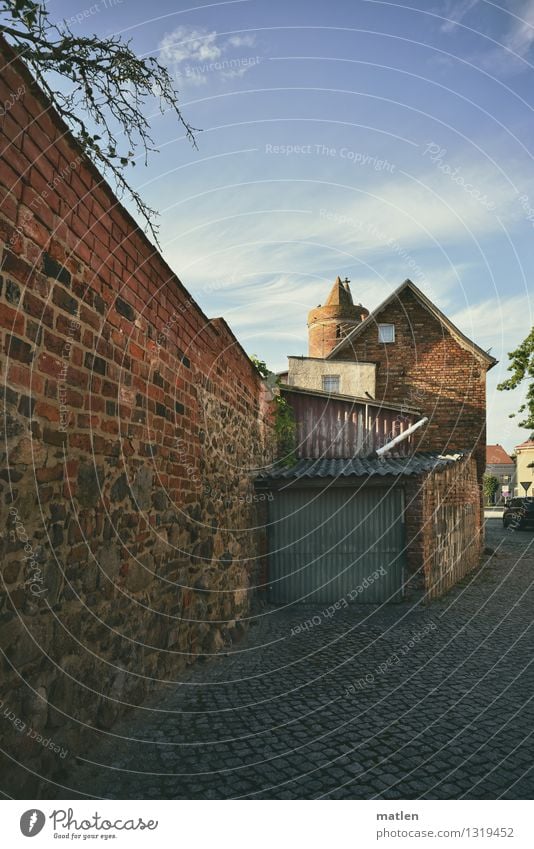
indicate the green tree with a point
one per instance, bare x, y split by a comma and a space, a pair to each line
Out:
490, 484
284, 423
522, 368
108, 89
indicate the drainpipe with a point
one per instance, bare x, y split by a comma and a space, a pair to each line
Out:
400, 438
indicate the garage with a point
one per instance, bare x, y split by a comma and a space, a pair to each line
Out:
332, 542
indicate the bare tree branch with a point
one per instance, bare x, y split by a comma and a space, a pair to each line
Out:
110, 87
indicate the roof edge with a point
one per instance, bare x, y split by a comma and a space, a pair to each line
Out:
460, 337
355, 399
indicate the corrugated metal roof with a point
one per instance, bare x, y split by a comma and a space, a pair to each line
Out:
360, 467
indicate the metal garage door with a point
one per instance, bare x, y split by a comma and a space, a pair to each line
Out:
326, 545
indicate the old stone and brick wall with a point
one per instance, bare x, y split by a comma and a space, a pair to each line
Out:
444, 529
132, 429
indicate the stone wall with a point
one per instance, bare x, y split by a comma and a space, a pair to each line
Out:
133, 427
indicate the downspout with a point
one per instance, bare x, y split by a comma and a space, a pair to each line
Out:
400, 438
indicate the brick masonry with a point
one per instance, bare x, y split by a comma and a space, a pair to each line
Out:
427, 369
133, 429
444, 528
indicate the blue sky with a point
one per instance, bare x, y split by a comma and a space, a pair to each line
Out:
369, 139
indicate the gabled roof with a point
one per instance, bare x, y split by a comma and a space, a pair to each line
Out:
528, 444
495, 454
460, 337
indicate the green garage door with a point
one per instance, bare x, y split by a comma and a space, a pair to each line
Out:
330, 544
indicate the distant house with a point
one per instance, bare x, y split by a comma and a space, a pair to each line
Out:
500, 465
384, 500
525, 468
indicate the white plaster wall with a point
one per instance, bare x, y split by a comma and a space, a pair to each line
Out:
354, 378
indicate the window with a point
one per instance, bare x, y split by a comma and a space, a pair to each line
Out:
386, 332
330, 382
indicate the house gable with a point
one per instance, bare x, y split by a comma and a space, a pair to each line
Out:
430, 365
378, 316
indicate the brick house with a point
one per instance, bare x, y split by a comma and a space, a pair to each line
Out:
500, 465
404, 374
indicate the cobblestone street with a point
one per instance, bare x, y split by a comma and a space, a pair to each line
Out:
375, 702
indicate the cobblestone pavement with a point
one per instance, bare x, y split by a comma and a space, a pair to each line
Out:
449, 715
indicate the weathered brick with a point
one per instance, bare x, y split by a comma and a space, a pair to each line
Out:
37, 308
125, 309
54, 437
94, 363
21, 375
66, 302
47, 411
49, 365
17, 349
55, 269
26, 406
68, 326
11, 319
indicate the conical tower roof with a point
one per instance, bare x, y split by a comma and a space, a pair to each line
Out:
340, 295
329, 323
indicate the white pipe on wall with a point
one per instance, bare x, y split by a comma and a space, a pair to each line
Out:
400, 438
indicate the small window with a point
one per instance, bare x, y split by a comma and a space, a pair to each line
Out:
386, 332
330, 382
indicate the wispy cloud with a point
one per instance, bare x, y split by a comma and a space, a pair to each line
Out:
511, 45
456, 12
499, 323
193, 55
521, 34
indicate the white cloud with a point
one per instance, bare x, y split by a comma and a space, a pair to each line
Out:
497, 321
248, 40
189, 45
196, 54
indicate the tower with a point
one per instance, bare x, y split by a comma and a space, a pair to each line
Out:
330, 323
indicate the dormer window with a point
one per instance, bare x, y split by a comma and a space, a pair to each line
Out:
330, 382
386, 333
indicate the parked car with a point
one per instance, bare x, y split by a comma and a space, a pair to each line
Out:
519, 513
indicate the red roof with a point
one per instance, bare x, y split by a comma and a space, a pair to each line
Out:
497, 454
528, 444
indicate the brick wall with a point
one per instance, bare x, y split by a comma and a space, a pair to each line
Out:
133, 427
444, 528
426, 369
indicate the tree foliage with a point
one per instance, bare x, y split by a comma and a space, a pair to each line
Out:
284, 424
522, 368
108, 89
490, 484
